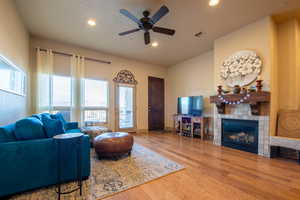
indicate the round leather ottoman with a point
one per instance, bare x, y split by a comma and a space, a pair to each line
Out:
113, 144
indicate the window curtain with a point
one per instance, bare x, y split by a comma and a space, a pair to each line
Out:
44, 74
77, 74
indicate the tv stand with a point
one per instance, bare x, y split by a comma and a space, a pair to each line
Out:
191, 126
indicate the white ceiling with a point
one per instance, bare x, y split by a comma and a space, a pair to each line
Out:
65, 20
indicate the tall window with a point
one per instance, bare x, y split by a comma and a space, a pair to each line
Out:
61, 95
95, 100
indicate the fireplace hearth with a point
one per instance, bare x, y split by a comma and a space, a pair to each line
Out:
240, 134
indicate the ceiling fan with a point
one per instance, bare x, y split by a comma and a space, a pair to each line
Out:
148, 23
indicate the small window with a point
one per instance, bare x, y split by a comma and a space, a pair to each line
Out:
95, 116
12, 79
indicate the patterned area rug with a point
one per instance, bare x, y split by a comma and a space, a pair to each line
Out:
112, 176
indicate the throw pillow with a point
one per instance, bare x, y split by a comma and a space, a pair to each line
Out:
38, 116
53, 127
29, 128
59, 116
45, 115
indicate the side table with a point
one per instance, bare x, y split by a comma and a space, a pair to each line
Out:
75, 139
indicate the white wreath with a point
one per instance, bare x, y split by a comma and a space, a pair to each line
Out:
242, 68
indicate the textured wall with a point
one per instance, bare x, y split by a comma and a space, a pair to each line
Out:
14, 46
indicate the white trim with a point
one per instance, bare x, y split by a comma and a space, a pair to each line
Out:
13, 92
11, 64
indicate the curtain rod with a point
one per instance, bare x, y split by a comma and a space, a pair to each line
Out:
86, 58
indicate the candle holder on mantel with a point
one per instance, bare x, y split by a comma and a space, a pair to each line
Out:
259, 85
220, 89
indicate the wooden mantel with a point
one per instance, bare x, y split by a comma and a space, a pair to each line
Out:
255, 100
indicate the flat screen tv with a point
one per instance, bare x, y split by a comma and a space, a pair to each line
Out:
190, 105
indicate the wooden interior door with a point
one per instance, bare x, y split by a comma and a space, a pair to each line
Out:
156, 103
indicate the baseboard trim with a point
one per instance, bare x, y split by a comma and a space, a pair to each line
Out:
169, 129
142, 131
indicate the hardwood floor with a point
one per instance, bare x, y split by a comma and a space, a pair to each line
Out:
214, 173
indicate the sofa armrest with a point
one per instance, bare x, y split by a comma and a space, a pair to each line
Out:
36, 160
26, 160
72, 125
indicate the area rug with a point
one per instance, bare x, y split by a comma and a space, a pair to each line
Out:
109, 177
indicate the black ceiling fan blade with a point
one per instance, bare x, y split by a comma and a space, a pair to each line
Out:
159, 14
163, 30
128, 32
147, 38
130, 16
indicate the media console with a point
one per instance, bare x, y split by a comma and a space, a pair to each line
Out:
186, 125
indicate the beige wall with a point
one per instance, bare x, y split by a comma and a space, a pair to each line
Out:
107, 72
14, 45
274, 79
289, 66
200, 75
259, 36
190, 78
256, 36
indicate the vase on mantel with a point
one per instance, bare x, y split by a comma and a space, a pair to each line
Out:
236, 89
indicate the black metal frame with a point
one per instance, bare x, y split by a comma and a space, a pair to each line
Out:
78, 147
275, 151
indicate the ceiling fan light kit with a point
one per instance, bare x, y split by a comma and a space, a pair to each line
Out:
147, 23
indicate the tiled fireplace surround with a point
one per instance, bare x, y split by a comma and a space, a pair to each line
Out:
242, 112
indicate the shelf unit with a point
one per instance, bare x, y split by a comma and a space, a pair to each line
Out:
191, 126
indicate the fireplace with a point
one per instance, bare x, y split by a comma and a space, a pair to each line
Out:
240, 134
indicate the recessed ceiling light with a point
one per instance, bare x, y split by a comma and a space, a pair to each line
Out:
213, 3
91, 22
154, 44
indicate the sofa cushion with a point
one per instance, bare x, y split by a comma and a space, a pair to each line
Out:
60, 117
7, 133
53, 127
29, 128
73, 131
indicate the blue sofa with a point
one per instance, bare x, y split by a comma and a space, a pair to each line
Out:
28, 157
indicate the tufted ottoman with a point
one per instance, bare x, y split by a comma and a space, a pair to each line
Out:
113, 144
